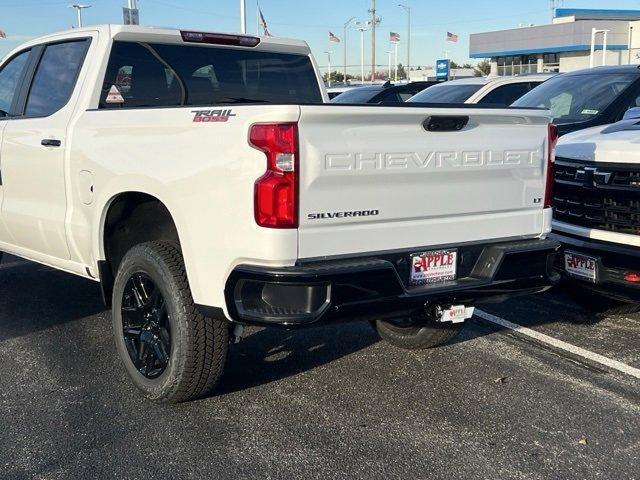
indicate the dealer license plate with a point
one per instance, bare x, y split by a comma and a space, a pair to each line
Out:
581, 266
434, 267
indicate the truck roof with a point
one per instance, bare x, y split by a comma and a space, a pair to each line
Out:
171, 34
633, 68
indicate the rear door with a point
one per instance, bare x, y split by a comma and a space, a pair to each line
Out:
33, 150
373, 178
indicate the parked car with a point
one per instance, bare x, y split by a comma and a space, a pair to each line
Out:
587, 98
483, 90
596, 194
200, 178
386, 93
333, 92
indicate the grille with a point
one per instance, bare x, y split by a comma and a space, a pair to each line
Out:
599, 196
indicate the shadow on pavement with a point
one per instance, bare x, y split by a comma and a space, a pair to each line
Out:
36, 297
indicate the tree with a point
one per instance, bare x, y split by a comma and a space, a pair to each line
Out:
483, 68
335, 76
402, 74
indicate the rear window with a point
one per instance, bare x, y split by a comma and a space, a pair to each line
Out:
577, 98
159, 75
506, 94
446, 93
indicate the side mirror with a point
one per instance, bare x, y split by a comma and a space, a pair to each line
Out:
632, 113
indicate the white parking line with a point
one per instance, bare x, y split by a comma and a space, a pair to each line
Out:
559, 344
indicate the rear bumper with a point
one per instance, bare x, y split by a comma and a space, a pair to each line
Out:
377, 287
614, 261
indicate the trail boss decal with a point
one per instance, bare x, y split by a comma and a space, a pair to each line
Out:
357, 213
212, 115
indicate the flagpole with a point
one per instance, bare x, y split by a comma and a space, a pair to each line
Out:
258, 18
396, 45
328, 68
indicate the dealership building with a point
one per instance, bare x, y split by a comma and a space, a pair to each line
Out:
564, 45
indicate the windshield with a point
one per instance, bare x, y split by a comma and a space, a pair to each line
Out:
577, 98
356, 95
446, 93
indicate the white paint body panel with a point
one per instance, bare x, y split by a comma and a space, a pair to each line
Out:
430, 188
204, 173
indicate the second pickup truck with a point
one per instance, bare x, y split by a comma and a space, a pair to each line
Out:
204, 182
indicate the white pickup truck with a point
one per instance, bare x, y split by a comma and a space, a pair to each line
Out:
204, 182
597, 214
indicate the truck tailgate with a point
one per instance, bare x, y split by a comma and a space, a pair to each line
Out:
374, 178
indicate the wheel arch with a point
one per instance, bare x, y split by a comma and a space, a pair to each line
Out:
133, 216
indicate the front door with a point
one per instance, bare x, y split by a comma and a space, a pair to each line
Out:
33, 151
12, 74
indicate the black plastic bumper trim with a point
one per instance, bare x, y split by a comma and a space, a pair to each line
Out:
615, 261
378, 287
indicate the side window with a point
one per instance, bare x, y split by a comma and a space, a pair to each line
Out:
10, 77
506, 94
633, 101
404, 96
55, 78
139, 78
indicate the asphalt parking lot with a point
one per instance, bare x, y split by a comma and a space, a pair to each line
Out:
319, 403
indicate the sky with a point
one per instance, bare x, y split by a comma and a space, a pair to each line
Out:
308, 20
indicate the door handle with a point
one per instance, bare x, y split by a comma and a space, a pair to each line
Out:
50, 142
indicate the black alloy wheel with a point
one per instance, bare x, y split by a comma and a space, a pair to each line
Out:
145, 325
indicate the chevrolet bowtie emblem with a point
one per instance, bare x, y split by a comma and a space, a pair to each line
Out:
591, 176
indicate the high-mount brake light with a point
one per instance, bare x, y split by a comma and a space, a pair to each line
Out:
551, 158
220, 39
276, 192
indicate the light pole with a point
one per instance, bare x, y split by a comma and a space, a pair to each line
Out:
361, 29
79, 9
373, 22
328, 67
408, 10
243, 17
344, 39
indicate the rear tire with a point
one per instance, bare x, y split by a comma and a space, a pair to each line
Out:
170, 350
418, 333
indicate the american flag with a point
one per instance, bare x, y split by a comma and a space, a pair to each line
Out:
333, 38
2, 34
394, 37
452, 37
263, 24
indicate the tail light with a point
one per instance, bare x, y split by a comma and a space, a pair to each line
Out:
276, 192
551, 158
